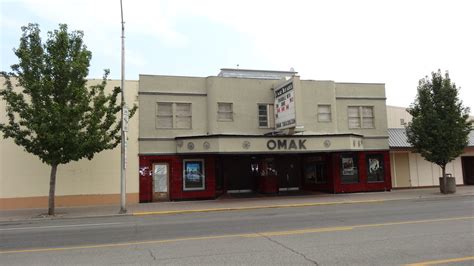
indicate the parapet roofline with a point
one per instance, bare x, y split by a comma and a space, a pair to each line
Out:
395, 106
244, 71
256, 73
368, 83
259, 70
99, 79
269, 136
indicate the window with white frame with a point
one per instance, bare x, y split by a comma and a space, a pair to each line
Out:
174, 115
164, 115
225, 112
266, 116
368, 117
361, 117
324, 113
183, 115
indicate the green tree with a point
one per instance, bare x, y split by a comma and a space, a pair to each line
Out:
440, 126
51, 111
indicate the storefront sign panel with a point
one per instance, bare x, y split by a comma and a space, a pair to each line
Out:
269, 144
286, 144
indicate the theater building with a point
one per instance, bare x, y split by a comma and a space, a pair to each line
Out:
260, 131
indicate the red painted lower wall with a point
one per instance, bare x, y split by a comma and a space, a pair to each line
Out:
175, 182
333, 167
363, 184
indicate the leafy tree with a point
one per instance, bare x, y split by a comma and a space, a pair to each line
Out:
440, 127
51, 111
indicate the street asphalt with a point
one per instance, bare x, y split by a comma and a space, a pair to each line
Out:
439, 231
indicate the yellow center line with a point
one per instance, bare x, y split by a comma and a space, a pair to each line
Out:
247, 235
127, 243
415, 222
434, 262
307, 231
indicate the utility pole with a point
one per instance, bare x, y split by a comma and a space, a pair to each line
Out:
124, 120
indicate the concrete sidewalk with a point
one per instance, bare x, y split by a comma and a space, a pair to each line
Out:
229, 203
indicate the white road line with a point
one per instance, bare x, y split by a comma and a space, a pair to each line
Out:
56, 226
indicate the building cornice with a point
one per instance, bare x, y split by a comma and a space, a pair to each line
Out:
171, 93
360, 98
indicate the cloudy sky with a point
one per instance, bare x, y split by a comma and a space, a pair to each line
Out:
393, 42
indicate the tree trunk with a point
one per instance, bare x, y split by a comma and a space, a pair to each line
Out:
52, 188
445, 180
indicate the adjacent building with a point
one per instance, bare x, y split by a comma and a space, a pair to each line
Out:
410, 169
24, 179
240, 131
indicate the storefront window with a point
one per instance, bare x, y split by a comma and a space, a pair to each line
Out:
314, 170
349, 170
375, 171
254, 166
267, 167
193, 175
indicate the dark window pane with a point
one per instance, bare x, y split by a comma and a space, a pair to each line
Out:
349, 170
375, 169
262, 115
314, 170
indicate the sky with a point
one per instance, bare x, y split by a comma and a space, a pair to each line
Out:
391, 42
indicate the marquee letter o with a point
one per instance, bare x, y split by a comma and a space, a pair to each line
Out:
271, 144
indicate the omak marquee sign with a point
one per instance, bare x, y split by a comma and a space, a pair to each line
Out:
285, 144
285, 115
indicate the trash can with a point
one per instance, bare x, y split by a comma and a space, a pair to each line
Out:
450, 184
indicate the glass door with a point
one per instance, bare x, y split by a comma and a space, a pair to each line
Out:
160, 181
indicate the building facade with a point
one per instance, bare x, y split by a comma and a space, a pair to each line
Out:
262, 131
239, 131
410, 169
24, 179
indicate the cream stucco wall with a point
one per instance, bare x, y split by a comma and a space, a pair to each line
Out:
424, 173
314, 92
395, 115
24, 175
361, 94
154, 89
245, 94
400, 169
421, 172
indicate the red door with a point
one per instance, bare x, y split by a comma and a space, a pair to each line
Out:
146, 194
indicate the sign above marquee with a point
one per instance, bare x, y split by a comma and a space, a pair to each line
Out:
285, 114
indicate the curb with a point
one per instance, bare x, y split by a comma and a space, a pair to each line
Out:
255, 207
171, 212
288, 205
48, 218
